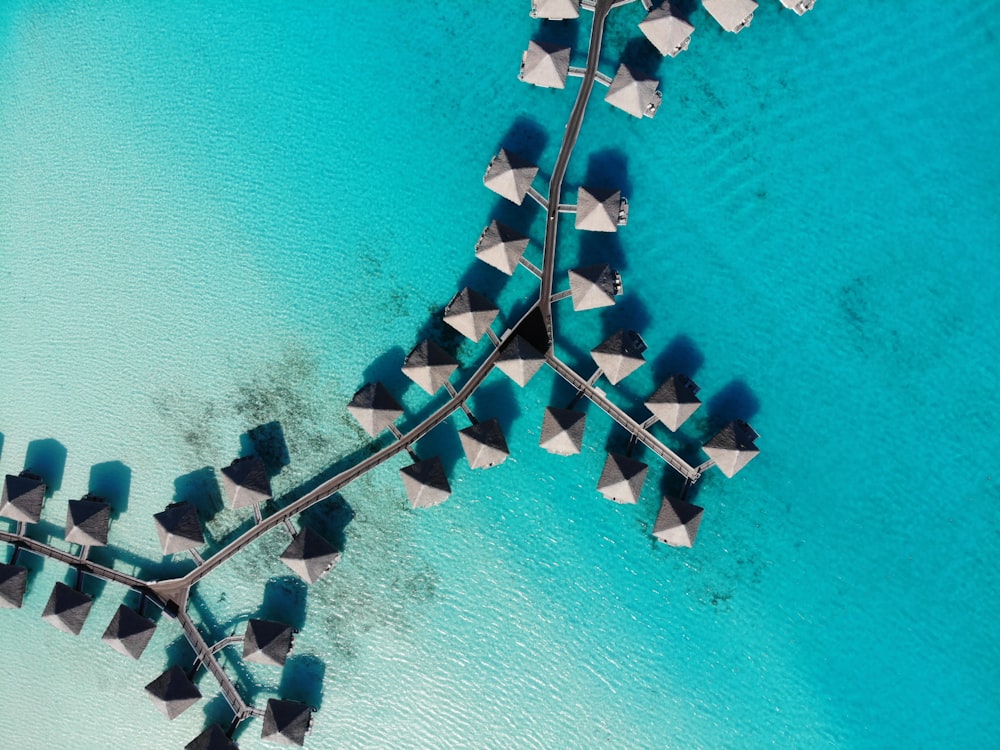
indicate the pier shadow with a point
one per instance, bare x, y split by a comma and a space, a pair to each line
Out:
1, 445
47, 459
201, 489
302, 679
285, 601
734, 401
608, 168
268, 442
496, 398
217, 711
112, 481
387, 369
526, 138
329, 519
681, 355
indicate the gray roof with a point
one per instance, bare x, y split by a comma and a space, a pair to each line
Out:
22, 498
13, 584
484, 444
519, 360
674, 401
733, 447
374, 407
619, 355
286, 722
267, 642
622, 478
310, 555
732, 15
799, 6
545, 65
634, 93
594, 286
470, 313
179, 528
173, 693
67, 609
129, 632
677, 523
426, 482
88, 521
246, 482
669, 33
598, 209
562, 431
556, 10
212, 738
429, 366
501, 247
509, 176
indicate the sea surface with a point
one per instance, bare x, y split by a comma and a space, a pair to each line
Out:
220, 215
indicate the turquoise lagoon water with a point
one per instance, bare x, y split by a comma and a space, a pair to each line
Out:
218, 215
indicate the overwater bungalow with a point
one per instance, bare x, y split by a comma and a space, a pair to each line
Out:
562, 431
173, 693
619, 355
731, 15
674, 401
429, 366
622, 478
634, 93
666, 30
509, 176
733, 447
677, 523
129, 632
519, 360
545, 65
374, 407
484, 444
501, 247
267, 642
88, 521
555, 10
310, 556
212, 738
67, 609
22, 498
594, 286
470, 313
600, 210
286, 722
426, 483
13, 584
246, 482
179, 528
799, 6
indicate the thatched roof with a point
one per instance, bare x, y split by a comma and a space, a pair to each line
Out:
732, 15
129, 632
619, 355
67, 609
545, 65
674, 401
13, 584
555, 10
310, 555
213, 738
267, 642
799, 6
88, 521
426, 482
733, 447
669, 33
429, 366
179, 528
173, 693
501, 247
374, 407
22, 497
677, 523
634, 93
519, 360
286, 722
246, 482
470, 313
484, 444
594, 286
562, 431
598, 209
622, 478
509, 176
